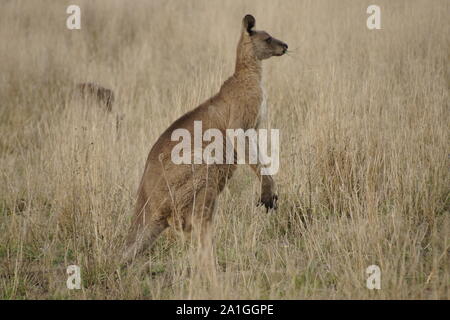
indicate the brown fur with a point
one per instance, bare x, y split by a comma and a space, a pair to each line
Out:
102, 95
184, 195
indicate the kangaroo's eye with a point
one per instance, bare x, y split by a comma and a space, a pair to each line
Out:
268, 40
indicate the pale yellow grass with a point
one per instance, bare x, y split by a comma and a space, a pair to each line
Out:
364, 123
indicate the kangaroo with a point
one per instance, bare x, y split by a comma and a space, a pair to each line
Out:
184, 195
100, 94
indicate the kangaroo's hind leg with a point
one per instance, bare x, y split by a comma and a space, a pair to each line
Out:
198, 223
198, 217
143, 233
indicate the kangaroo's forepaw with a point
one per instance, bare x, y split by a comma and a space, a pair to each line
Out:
269, 201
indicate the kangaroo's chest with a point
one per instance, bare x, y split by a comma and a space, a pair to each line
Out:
262, 110
254, 110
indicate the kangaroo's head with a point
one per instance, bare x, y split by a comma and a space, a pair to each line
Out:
264, 45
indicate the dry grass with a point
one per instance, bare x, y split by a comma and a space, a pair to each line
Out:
364, 123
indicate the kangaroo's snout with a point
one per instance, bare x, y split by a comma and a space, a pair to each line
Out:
284, 47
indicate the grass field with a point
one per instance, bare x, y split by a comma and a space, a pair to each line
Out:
364, 123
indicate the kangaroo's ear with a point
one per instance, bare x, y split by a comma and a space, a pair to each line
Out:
248, 23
